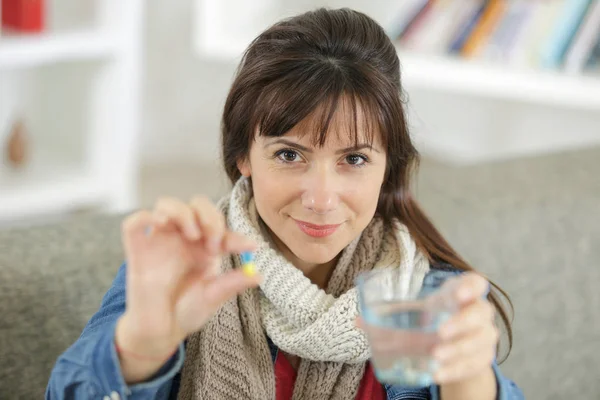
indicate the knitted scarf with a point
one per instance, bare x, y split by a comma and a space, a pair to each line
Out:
229, 358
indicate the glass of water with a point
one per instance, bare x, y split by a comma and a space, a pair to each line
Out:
401, 319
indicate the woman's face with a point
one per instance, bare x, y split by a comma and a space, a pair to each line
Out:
316, 200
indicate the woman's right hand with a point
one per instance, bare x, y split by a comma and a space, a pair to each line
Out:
174, 284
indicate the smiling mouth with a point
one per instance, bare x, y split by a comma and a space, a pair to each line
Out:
317, 231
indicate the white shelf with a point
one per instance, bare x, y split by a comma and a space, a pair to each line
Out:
48, 192
443, 73
98, 111
38, 49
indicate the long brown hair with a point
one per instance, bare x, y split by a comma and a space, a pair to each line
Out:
305, 66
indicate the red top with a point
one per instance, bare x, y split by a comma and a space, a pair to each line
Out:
285, 378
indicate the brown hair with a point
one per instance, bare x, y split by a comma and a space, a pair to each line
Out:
302, 67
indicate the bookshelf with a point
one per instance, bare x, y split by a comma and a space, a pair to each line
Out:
76, 86
456, 75
541, 95
23, 51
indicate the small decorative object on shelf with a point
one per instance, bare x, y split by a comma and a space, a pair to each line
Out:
23, 16
16, 145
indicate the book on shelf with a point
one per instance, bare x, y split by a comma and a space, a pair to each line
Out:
466, 26
409, 10
416, 22
508, 31
439, 24
484, 28
585, 41
561, 35
595, 58
524, 51
543, 34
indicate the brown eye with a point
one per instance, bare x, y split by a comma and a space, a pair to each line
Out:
355, 160
287, 155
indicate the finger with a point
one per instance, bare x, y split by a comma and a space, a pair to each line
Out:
405, 342
469, 287
202, 297
359, 323
133, 227
465, 368
471, 317
221, 288
211, 221
466, 346
391, 340
234, 242
170, 210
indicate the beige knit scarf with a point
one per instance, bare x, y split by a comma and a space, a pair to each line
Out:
230, 358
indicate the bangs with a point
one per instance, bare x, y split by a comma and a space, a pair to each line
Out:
318, 98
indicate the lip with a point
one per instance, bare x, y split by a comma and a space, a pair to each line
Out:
317, 231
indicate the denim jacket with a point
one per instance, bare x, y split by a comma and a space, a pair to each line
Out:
90, 369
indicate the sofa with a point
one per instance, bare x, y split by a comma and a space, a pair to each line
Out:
533, 226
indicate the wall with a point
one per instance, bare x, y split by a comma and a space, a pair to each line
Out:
183, 94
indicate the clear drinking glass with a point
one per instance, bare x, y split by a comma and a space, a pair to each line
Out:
401, 320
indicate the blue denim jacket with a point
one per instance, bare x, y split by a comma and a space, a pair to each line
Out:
90, 367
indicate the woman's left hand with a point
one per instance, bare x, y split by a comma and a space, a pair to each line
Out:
468, 339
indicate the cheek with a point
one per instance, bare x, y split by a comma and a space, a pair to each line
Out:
362, 197
272, 194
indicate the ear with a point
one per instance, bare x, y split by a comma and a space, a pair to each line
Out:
244, 167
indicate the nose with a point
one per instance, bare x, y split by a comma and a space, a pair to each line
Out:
320, 194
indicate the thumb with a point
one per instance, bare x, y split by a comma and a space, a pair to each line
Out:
202, 296
221, 288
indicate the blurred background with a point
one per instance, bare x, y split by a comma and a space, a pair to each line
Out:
106, 105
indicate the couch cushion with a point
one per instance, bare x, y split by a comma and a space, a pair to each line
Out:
52, 279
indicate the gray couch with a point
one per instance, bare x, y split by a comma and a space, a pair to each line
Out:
532, 225
52, 279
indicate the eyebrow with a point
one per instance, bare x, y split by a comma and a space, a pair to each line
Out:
359, 146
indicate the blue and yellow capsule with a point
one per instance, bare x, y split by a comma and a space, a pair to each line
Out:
248, 266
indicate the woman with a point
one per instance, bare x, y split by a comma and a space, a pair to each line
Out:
316, 143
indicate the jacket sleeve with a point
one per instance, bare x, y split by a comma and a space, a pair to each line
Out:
90, 367
507, 389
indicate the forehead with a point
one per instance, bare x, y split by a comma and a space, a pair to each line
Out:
341, 125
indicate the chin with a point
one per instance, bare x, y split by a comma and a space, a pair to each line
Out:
314, 252
312, 257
